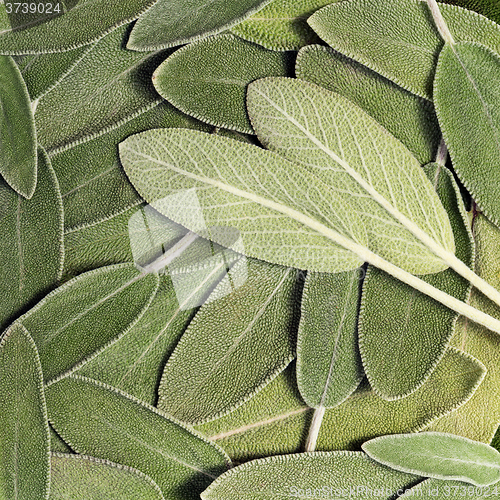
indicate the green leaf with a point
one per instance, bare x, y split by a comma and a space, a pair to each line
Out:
281, 25
101, 421
57, 445
82, 23
440, 490
328, 362
399, 40
208, 79
108, 87
488, 8
235, 344
309, 475
406, 116
31, 246
175, 22
345, 147
83, 316
472, 132
403, 333
276, 420
24, 435
18, 156
438, 455
79, 477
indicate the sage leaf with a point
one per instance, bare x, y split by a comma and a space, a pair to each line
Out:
208, 79
83, 23
345, 147
406, 116
421, 326
31, 243
329, 366
79, 477
276, 420
281, 25
488, 8
18, 155
84, 315
109, 86
24, 436
57, 445
441, 489
103, 422
308, 475
368, 31
175, 22
438, 455
472, 133
239, 342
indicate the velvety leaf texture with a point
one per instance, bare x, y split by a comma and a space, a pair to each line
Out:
488, 8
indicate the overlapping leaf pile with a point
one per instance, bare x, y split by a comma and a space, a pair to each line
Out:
237, 261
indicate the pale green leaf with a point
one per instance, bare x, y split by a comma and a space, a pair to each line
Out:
406, 116
18, 155
175, 22
440, 489
84, 315
309, 475
345, 147
403, 333
24, 431
281, 25
235, 344
276, 420
208, 79
328, 362
81, 22
31, 246
398, 39
79, 477
439, 455
100, 421
469, 73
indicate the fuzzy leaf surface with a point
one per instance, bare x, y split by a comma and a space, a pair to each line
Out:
488, 8
208, 79
100, 421
24, 435
399, 39
441, 489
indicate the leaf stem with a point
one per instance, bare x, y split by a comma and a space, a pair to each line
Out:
442, 153
312, 437
440, 22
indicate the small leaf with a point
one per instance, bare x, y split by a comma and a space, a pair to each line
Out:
438, 455
79, 477
175, 22
309, 475
24, 434
18, 155
208, 79
31, 246
83, 23
100, 421
328, 362
235, 345
472, 132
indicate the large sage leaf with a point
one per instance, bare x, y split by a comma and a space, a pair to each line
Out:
84, 315
208, 79
18, 155
281, 25
79, 22
276, 420
403, 333
235, 344
345, 147
399, 39
78, 477
31, 246
438, 455
24, 431
309, 475
472, 132
328, 362
175, 22
101, 421
406, 116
